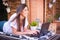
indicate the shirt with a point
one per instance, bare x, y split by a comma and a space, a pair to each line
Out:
7, 28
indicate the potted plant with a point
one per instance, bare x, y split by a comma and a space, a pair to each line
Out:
57, 16
33, 25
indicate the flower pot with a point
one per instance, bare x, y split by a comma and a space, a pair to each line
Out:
33, 27
59, 18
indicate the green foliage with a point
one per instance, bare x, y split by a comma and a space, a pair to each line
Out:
50, 20
34, 23
57, 15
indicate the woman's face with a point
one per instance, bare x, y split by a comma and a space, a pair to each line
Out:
25, 12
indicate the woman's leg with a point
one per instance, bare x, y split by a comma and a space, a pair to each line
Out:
1, 25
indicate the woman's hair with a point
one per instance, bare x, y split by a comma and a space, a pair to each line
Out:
20, 8
18, 11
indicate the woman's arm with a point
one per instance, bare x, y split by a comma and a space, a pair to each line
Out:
21, 33
13, 17
31, 31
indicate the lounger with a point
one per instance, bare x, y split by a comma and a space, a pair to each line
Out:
44, 31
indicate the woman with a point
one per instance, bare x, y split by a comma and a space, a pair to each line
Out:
18, 23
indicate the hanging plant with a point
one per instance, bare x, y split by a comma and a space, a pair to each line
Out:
57, 15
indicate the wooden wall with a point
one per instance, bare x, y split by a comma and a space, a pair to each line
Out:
36, 9
49, 12
13, 4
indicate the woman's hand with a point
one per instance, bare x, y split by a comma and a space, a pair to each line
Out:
34, 32
38, 31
